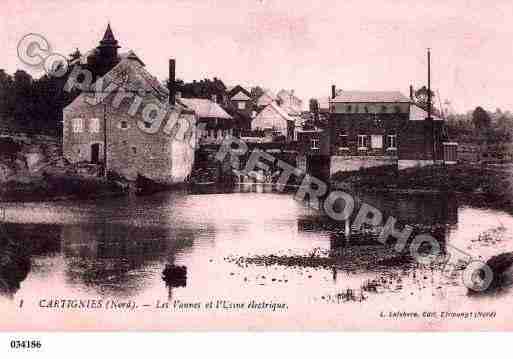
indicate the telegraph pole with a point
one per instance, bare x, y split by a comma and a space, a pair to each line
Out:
105, 140
429, 105
429, 83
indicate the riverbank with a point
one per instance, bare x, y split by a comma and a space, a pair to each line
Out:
491, 184
32, 169
47, 188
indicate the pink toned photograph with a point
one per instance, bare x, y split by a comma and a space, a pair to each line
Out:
259, 165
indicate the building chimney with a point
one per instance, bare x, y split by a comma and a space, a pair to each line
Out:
333, 91
172, 85
411, 92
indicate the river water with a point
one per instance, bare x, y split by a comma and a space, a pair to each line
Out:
115, 251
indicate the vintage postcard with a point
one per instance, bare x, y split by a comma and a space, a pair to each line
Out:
256, 165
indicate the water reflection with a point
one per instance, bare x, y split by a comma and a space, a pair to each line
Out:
18, 244
189, 247
14, 266
113, 258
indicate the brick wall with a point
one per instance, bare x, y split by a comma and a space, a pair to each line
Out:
352, 125
355, 163
416, 140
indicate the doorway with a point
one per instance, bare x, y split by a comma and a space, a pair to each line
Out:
95, 153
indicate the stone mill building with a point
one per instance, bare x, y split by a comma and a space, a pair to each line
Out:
125, 119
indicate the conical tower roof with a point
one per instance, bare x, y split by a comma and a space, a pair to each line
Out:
108, 38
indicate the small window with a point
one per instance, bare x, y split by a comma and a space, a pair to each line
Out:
397, 109
147, 124
124, 142
366, 109
94, 125
241, 105
77, 125
124, 124
376, 141
383, 109
343, 140
134, 150
392, 142
314, 142
348, 108
363, 142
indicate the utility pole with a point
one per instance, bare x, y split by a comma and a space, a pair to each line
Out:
429, 83
105, 140
429, 105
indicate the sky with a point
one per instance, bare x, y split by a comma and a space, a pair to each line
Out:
293, 44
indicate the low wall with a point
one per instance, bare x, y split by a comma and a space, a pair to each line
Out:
355, 163
402, 164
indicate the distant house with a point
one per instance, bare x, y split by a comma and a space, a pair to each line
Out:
214, 90
274, 121
214, 123
240, 97
265, 99
376, 128
288, 101
241, 107
118, 128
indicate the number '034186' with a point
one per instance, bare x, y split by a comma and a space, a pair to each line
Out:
25, 344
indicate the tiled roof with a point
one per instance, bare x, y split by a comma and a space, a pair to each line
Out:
371, 96
232, 88
281, 111
205, 108
240, 96
132, 76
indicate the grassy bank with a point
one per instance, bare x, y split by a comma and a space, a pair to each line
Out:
59, 188
492, 183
